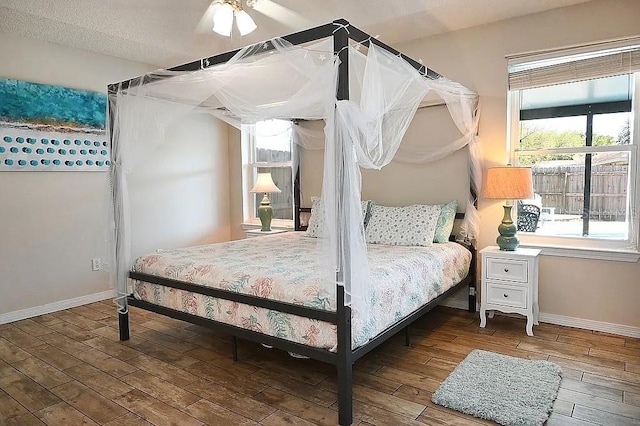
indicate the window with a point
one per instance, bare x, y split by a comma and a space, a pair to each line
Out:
574, 121
267, 148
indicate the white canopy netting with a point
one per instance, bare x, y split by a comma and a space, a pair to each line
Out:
279, 80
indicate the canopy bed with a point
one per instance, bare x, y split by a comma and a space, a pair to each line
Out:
367, 100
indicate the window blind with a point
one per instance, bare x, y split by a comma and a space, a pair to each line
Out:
566, 69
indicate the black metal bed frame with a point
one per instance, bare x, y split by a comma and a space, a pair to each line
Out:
341, 31
343, 358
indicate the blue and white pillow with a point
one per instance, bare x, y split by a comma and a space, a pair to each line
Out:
445, 221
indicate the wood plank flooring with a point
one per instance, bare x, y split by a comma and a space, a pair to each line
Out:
68, 368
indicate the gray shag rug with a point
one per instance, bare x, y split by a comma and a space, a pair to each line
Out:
510, 391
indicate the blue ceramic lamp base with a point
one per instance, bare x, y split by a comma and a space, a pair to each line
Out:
508, 239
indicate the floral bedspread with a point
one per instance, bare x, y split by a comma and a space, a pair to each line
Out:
287, 267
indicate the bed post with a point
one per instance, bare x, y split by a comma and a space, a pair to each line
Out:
472, 285
345, 354
296, 197
345, 362
123, 325
473, 268
121, 300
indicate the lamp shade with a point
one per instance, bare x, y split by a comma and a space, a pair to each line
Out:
223, 19
265, 184
509, 183
244, 22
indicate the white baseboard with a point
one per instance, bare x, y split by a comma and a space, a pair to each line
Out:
55, 306
607, 327
586, 324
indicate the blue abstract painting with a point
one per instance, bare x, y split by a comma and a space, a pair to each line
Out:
52, 128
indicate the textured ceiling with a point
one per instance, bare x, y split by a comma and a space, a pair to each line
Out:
171, 32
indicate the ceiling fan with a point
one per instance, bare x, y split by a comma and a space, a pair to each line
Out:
220, 14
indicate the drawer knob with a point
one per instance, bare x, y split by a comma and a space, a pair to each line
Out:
506, 269
505, 295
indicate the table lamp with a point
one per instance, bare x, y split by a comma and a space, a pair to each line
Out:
265, 185
508, 183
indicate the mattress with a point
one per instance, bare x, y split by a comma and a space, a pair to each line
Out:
287, 267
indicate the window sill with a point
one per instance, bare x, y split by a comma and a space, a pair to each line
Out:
586, 253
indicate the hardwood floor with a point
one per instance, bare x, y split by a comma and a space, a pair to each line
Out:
68, 368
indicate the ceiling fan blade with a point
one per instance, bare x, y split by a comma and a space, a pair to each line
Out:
281, 14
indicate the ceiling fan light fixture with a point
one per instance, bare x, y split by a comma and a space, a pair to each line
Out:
223, 20
244, 22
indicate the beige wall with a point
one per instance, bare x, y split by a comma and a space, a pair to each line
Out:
401, 184
597, 290
180, 192
52, 223
235, 183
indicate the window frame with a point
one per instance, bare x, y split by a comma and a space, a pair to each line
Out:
592, 248
250, 167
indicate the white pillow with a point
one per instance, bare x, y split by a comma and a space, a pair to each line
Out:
402, 226
315, 227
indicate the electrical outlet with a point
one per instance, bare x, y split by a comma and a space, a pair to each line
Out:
95, 264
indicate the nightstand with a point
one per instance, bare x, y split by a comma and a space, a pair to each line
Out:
252, 233
510, 284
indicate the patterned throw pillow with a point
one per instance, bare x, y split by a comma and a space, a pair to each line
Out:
445, 222
315, 227
402, 226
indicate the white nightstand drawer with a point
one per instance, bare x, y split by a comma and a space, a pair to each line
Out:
507, 295
506, 269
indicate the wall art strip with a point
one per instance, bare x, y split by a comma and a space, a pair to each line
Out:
52, 128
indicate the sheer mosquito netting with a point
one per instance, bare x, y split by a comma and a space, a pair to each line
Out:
279, 80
